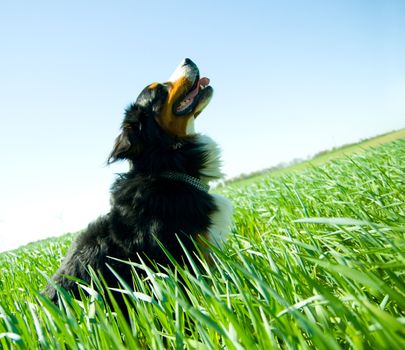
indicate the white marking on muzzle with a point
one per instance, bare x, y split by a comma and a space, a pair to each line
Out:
184, 70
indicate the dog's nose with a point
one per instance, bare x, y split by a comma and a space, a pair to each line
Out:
187, 61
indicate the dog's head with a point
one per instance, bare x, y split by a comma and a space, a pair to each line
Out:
163, 112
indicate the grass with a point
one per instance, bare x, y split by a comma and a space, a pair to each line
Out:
315, 260
319, 159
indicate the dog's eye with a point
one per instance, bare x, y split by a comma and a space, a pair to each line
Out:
133, 126
137, 126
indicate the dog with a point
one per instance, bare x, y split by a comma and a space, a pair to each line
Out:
163, 202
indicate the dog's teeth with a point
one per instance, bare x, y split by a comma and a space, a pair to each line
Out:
184, 104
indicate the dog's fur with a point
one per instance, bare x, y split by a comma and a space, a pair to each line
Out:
149, 208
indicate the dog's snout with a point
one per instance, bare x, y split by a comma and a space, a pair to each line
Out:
187, 68
187, 61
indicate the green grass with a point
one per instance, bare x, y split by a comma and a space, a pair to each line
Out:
319, 158
316, 260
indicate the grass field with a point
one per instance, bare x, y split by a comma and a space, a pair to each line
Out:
321, 158
315, 261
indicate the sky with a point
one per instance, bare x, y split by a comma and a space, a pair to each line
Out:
291, 78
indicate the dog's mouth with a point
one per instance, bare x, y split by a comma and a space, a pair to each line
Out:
192, 93
198, 93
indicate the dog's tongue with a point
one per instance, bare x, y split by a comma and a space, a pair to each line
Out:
202, 82
188, 100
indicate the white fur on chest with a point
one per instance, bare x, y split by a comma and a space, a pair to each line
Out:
221, 221
221, 218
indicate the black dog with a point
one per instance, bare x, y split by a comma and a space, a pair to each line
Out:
164, 197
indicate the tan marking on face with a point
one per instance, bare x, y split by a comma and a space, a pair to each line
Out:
153, 85
175, 125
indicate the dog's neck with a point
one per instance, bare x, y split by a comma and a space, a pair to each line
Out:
208, 169
192, 181
211, 168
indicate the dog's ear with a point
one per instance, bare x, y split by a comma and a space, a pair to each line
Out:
121, 146
126, 142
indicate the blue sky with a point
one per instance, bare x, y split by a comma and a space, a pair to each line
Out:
291, 78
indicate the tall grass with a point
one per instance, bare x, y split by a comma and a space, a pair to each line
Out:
315, 260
